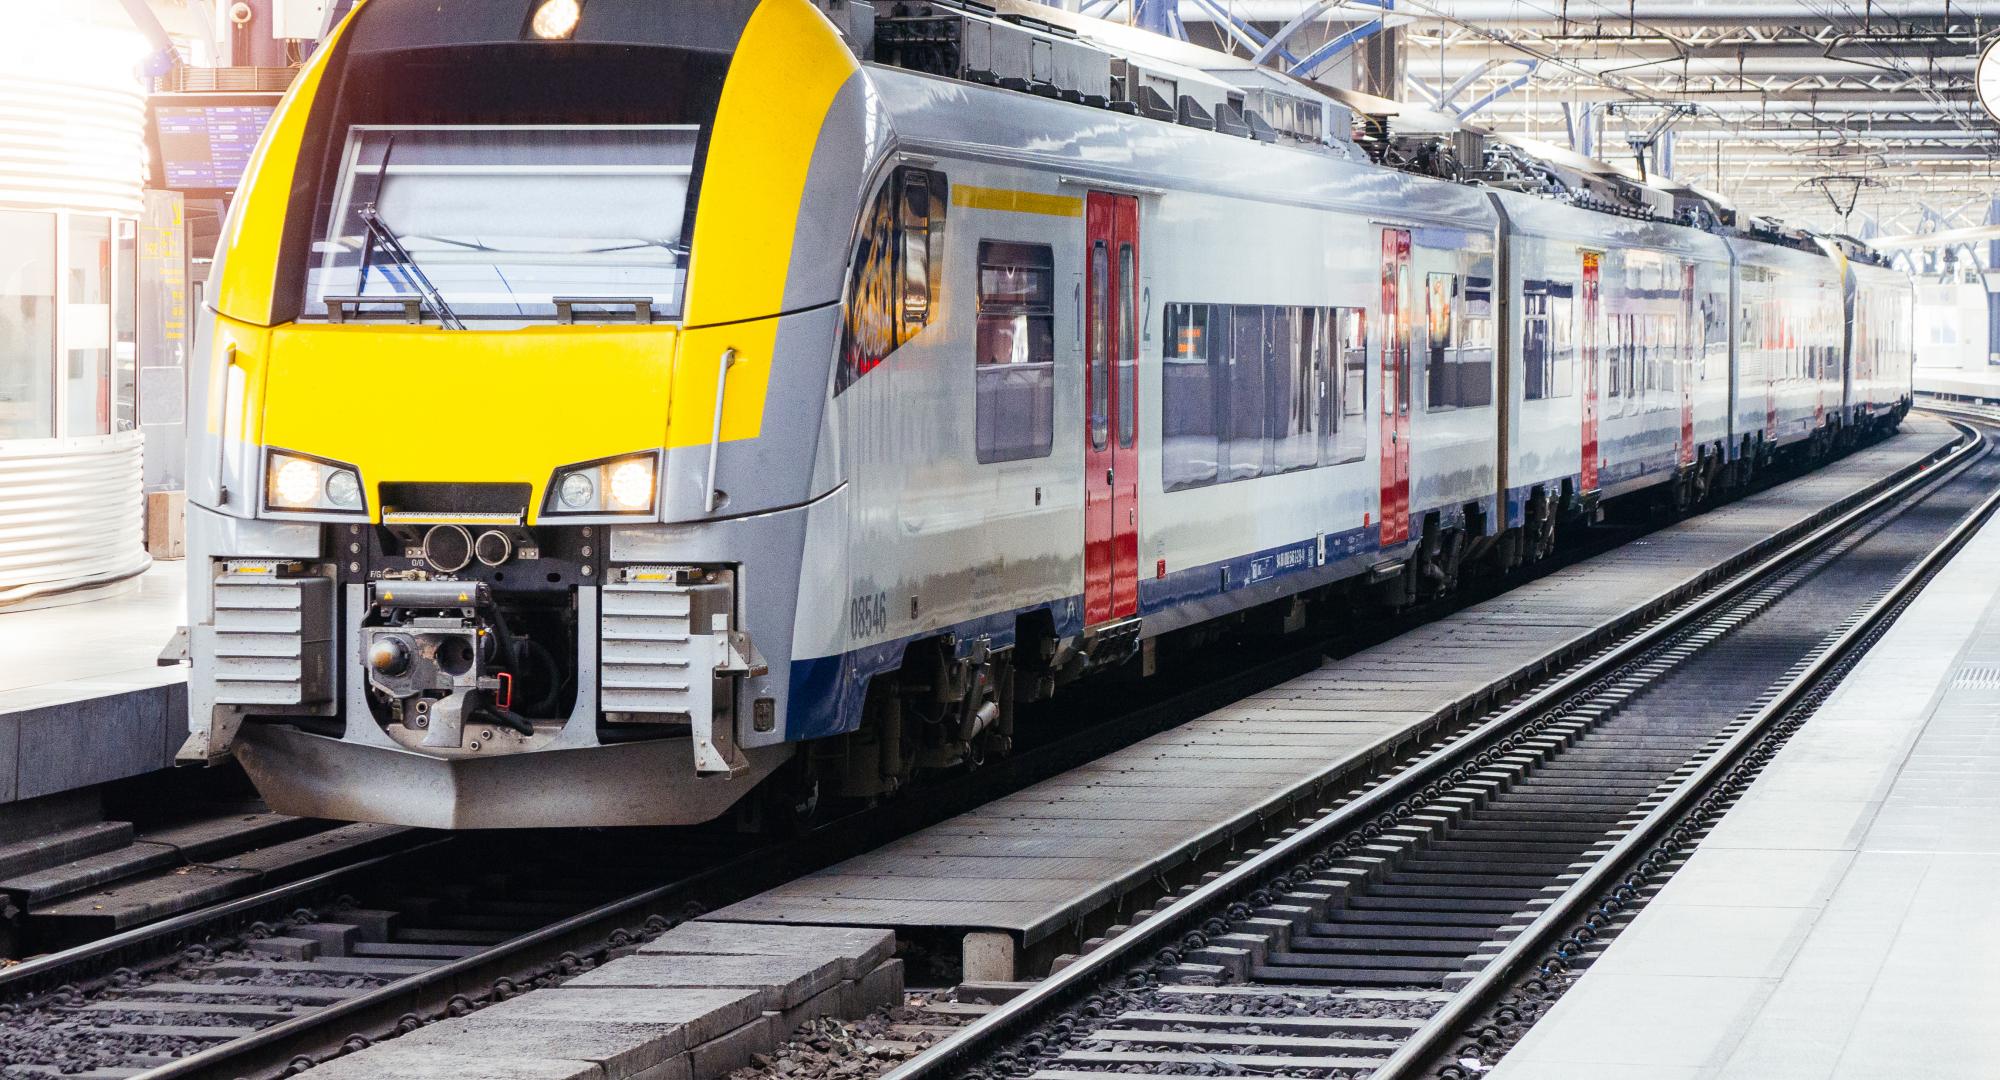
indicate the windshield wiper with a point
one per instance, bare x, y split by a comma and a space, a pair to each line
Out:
380, 234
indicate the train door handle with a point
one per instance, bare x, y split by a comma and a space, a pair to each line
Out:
1109, 482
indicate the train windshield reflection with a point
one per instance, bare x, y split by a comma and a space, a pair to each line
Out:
504, 220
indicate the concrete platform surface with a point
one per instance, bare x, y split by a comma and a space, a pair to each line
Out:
1839, 923
1959, 382
1037, 862
82, 698
693, 1004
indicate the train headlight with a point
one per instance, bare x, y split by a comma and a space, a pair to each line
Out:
620, 485
297, 482
577, 492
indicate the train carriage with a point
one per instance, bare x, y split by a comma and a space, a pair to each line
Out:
611, 417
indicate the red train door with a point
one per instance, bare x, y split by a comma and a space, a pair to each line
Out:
1590, 357
1111, 406
1396, 303
1684, 361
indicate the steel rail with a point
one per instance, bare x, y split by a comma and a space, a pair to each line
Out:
65, 964
1573, 905
273, 1049
962, 1051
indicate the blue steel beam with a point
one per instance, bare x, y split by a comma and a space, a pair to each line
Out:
1499, 92
1160, 16
1319, 57
1259, 45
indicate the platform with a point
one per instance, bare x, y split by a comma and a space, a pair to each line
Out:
1839, 922
82, 697
1040, 861
1959, 383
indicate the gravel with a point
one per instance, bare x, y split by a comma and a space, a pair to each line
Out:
831, 1049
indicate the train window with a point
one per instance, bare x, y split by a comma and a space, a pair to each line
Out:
1324, 359
1128, 347
1534, 342
1562, 339
894, 278
1014, 368
494, 221
1290, 383
1187, 397
1441, 300
1614, 366
1245, 403
1251, 390
1100, 359
1350, 342
1473, 367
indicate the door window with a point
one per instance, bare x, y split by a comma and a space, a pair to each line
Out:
1128, 347
1100, 346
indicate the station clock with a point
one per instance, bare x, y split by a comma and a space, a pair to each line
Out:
1987, 79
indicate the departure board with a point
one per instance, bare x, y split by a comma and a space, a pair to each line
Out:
203, 143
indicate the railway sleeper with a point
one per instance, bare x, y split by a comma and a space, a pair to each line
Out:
1229, 1040
1293, 1025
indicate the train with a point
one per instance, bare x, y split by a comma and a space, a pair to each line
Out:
636, 412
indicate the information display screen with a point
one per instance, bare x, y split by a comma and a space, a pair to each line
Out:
202, 142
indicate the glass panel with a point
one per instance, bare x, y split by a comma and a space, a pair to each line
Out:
1187, 399
1016, 351
870, 330
1247, 405
1291, 390
503, 219
1534, 346
916, 232
1353, 344
125, 328
1473, 370
1442, 298
87, 326
1100, 345
27, 324
1562, 342
1128, 347
1326, 382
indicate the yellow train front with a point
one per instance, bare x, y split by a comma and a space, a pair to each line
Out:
516, 356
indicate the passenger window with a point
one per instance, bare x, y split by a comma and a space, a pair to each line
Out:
1351, 353
1562, 339
893, 277
1128, 347
1187, 398
1241, 409
1353, 342
1441, 320
1290, 409
1253, 390
1473, 382
1015, 365
1100, 347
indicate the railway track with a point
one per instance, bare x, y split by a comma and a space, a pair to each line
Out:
1421, 925
269, 983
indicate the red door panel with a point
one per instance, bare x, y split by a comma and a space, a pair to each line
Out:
1691, 332
1125, 412
1111, 440
1589, 338
1396, 303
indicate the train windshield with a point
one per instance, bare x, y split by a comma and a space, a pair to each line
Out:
502, 222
